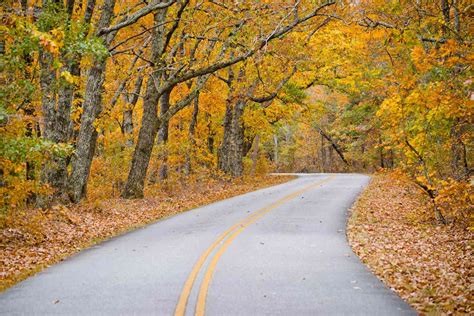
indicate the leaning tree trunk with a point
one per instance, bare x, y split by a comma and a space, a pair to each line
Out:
150, 123
92, 107
141, 156
87, 137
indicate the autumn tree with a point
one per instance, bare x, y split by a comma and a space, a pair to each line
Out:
225, 47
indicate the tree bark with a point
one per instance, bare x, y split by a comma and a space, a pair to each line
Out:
163, 135
191, 135
53, 173
58, 125
146, 137
127, 117
275, 150
210, 134
460, 169
162, 139
135, 183
232, 147
87, 136
150, 123
255, 154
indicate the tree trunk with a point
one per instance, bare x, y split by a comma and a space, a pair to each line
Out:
460, 169
87, 136
224, 149
333, 144
382, 158
58, 125
53, 172
163, 134
127, 126
255, 154
192, 140
48, 82
275, 150
323, 154
150, 124
210, 134
127, 118
146, 137
232, 148
445, 8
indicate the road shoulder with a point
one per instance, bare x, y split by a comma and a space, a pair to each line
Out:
426, 264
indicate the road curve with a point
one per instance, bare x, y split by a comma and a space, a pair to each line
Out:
276, 251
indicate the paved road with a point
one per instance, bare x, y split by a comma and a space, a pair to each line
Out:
276, 251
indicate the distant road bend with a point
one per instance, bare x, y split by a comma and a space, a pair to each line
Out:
277, 251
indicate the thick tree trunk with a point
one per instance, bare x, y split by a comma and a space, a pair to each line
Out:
48, 82
87, 136
150, 123
92, 107
59, 127
141, 156
55, 172
232, 147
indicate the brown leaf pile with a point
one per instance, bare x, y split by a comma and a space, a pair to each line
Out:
38, 238
429, 266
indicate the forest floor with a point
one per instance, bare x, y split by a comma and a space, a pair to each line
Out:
430, 266
35, 239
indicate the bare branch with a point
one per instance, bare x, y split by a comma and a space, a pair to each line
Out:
134, 17
262, 43
271, 96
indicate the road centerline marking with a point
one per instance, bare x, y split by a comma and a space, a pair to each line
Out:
224, 240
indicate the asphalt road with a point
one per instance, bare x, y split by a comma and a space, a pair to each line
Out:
276, 251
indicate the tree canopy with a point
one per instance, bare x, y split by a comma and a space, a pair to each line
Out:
108, 97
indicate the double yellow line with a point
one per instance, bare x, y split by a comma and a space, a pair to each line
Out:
228, 236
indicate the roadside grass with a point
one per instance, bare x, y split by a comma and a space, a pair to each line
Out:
392, 230
34, 239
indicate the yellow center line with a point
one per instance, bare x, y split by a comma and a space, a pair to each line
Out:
231, 233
